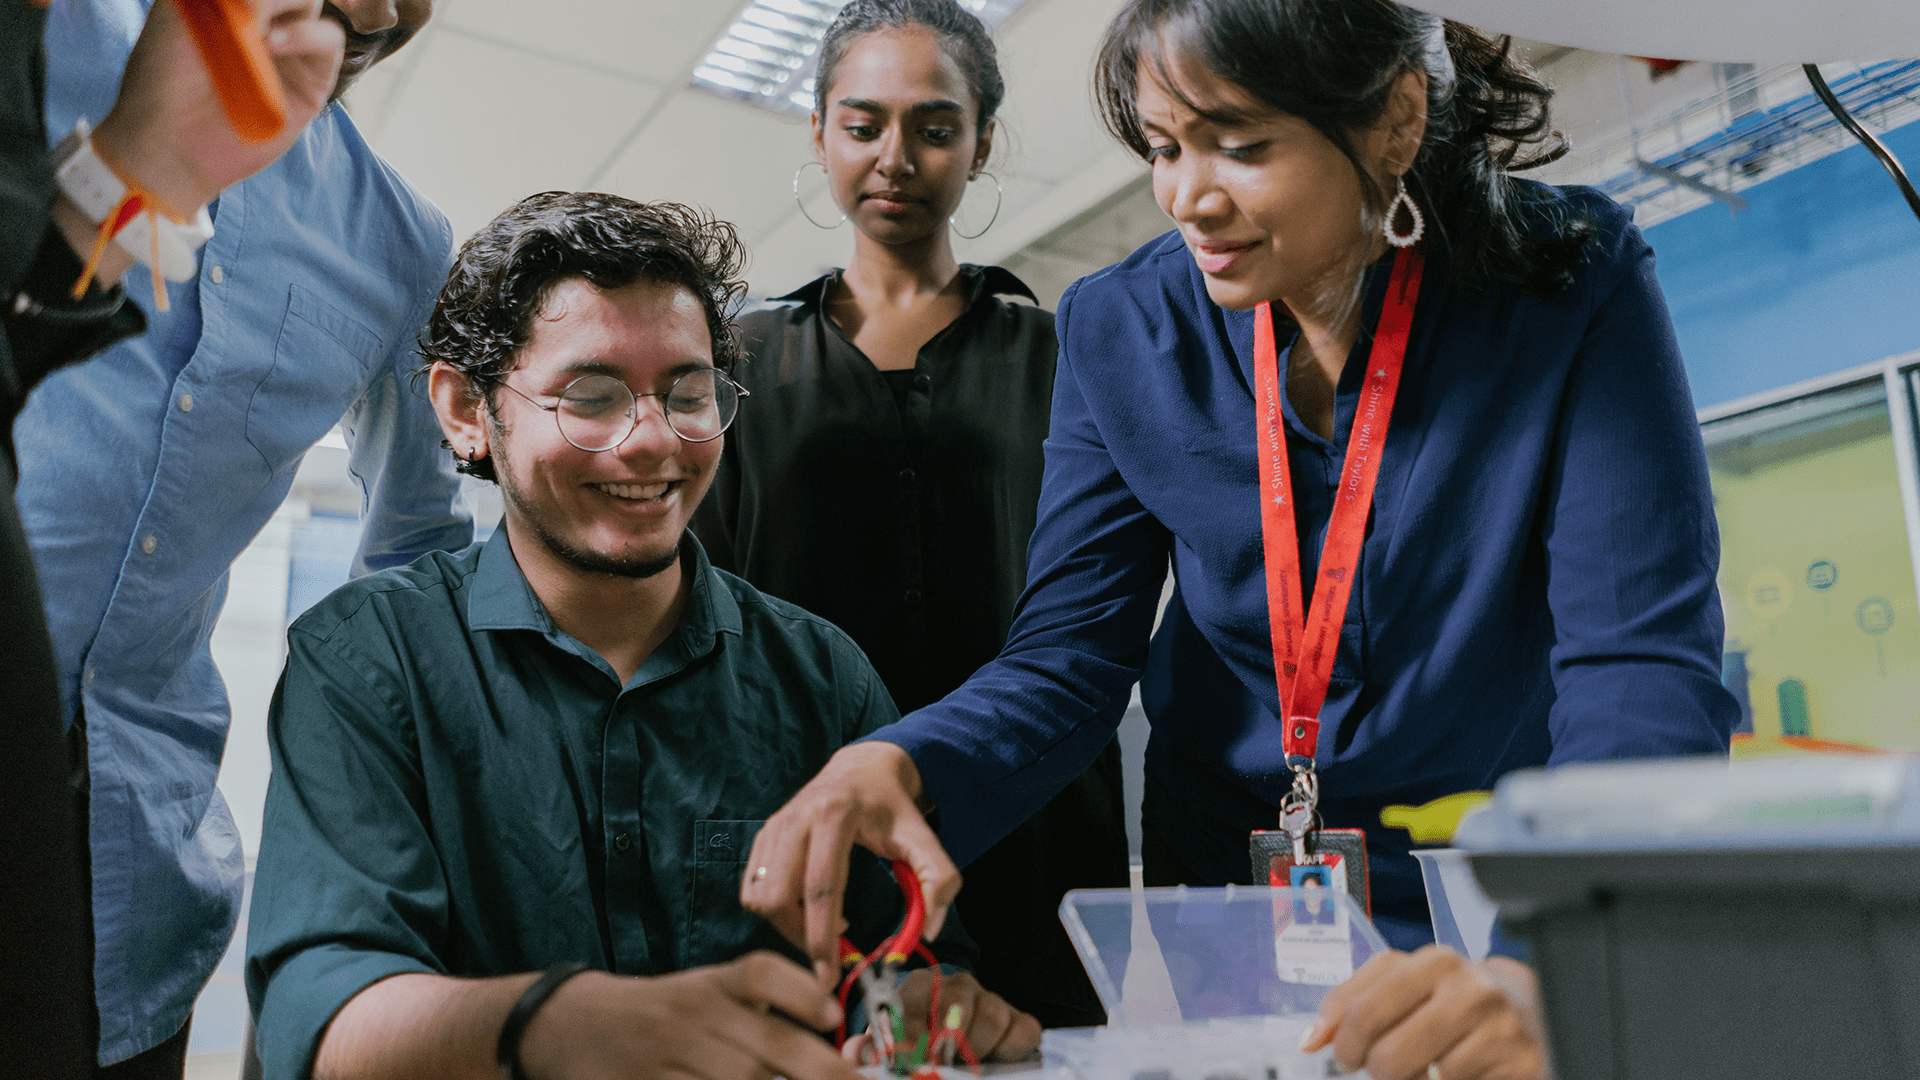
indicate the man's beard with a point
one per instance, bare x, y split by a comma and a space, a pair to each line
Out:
592, 562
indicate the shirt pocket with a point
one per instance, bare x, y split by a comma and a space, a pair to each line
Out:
717, 927
320, 363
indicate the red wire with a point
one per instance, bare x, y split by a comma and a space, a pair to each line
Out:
934, 1020
965, 1048
933, 1000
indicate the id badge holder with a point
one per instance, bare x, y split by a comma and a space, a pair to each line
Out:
1312, 941
1344, 850
1297, 842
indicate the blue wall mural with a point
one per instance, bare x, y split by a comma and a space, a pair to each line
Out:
1820, 273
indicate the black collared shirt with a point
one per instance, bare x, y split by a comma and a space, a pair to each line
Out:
905, 526
461, 787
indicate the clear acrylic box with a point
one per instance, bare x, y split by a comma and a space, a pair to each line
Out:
1208, 984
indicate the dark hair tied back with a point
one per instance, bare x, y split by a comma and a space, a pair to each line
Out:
961, 35
1334, 63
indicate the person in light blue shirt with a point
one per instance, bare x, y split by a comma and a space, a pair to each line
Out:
145, 473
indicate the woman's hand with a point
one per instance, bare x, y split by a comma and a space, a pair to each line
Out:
1435, 1014
868, 794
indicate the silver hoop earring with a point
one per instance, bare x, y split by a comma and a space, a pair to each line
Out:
1412, 236
998, 195
803, 206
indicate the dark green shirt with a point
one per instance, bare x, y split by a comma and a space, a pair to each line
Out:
460, 787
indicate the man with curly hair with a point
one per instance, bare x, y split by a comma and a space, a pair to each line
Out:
504, 777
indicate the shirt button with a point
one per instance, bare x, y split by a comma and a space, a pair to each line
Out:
218, 274
148, 543
906, 477
912, 597
186, 402
621, 842
922, 382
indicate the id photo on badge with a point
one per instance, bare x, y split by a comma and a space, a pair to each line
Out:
1312, 900
1312, 941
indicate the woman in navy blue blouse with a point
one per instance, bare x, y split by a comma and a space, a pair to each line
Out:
1536, 583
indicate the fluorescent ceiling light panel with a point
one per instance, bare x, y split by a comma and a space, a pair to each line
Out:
767, 56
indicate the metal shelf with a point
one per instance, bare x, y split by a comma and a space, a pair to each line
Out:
1760, 124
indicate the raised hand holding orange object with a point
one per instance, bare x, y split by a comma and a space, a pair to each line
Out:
170, 140
236, 57
169, 129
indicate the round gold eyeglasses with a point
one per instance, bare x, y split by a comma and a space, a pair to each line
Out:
598, 412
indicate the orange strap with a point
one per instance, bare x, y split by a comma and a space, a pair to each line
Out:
231, 46
124, 211
1304, 648
228, 36
138, 200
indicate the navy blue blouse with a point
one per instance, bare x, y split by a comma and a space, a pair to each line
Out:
1536, 585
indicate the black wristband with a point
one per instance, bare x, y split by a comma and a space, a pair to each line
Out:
508, 1052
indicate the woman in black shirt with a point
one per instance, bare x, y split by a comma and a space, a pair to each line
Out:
886, 475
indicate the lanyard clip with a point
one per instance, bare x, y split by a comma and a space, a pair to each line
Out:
1301, 806
1302, 741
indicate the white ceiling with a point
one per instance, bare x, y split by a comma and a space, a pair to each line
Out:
497, 99
1748, 31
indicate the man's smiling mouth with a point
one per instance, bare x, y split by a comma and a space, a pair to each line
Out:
637, 492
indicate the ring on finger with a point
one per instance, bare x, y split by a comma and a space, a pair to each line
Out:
1433, 1071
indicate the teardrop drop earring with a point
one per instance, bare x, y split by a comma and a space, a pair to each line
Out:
1395, 236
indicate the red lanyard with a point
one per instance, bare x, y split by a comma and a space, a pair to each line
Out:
1303, 683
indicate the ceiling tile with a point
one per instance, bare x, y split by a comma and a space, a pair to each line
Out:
478, 126
500, 98
731, 158
976, 211
794, 254
654, 40
372, 95
1050, 130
